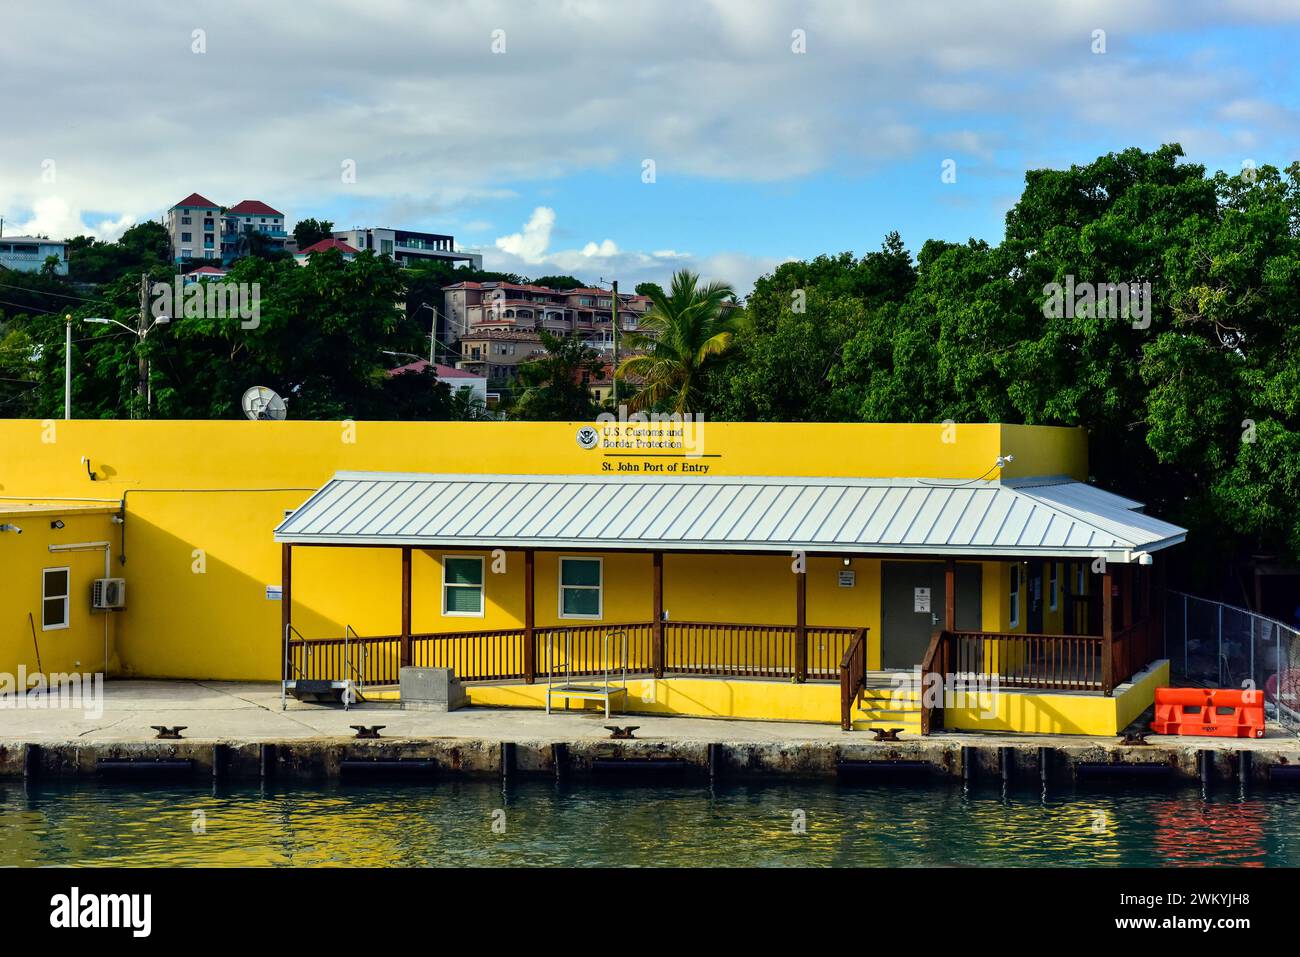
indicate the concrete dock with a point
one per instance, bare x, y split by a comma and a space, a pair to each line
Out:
237, 731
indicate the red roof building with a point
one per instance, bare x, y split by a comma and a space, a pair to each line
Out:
195, 201
325, 244
253, 207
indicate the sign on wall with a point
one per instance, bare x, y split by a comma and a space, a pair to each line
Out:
920, 599
273, 593
848, 578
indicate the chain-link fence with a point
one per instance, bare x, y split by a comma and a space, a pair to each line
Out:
1211, 644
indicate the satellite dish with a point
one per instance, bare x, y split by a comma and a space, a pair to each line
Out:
259, 402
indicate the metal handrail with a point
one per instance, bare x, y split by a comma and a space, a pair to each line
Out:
351, 669
289, 668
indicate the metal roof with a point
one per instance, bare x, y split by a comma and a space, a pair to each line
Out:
1043, 517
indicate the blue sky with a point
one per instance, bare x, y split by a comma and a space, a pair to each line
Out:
522, 127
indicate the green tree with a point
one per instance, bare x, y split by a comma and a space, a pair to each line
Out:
558, 282
685, 335
554, 385
308, 232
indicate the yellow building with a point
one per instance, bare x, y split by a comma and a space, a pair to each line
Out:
816, 572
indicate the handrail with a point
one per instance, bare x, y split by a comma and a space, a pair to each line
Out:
350, 668
934, 661
287, 673
853, 677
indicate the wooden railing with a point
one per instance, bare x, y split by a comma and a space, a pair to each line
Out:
689, 648
853, 677
1050, 662
983, 661
472, 655
1136, 646
934, 665
752, 651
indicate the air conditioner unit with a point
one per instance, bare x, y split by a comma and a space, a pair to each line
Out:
108, 593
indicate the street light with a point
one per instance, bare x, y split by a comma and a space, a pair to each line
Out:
67, 361
141, 332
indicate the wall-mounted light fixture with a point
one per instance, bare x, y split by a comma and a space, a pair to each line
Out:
846, 561
85, 460
57, 523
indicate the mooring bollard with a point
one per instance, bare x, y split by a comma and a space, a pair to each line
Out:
507, 762
967, 764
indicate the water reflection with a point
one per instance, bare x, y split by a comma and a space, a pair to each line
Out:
538, 824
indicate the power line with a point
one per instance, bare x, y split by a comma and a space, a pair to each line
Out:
60, 295
26, 308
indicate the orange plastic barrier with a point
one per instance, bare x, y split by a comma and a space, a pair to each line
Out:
1212, 712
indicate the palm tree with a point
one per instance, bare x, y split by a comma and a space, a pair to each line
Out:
687, 332
468, 407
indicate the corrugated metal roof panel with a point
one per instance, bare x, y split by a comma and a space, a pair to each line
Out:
906, 516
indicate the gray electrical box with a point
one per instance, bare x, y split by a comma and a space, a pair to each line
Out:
431, 689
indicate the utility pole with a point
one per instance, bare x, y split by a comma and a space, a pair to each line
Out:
142, 365
613, 371
67, 366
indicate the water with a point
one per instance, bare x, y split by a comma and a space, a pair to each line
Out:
451, 824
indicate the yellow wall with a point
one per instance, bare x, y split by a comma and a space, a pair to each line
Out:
1021, 712
699, 697
80, 646
203, 497
1048, 713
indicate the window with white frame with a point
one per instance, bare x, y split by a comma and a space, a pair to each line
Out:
55, 588
1053, 585
1081, 579
462, 585
1014, 617
580, 580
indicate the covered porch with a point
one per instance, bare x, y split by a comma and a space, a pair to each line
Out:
1051, 548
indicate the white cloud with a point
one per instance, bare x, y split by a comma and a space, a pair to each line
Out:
527, 253
530, 245
436, 123
55, 217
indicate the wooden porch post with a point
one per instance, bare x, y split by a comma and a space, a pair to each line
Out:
1107, 632
657, 622
1126, 597
801, 626
406, 605
286, 605
950, 595
530, 643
